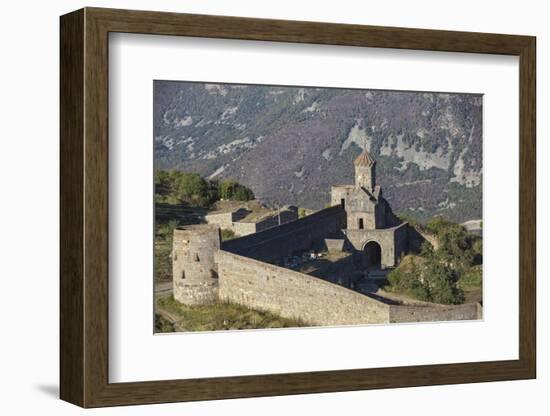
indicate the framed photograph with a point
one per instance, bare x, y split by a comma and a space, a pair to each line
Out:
255, 207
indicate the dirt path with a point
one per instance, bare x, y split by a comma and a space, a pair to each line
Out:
174, 319
163, 289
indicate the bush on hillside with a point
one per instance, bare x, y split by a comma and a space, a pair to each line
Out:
441, 275
175, 187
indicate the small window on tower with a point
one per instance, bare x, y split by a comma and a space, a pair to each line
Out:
343, 203
361, 225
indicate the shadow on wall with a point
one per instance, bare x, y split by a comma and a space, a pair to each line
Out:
286, 239
342, 271
417, 238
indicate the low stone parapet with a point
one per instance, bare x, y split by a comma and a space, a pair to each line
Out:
466, 312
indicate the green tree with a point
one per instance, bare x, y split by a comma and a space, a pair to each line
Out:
226, 188
242, 193
227, 234
441, 282
161, 177
456, 245
231, 189
191, 188
175, 187
429, 277
478, 251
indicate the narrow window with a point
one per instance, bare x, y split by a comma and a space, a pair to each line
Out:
361, 225
343, 203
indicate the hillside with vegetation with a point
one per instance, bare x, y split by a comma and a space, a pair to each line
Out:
174, 187
448, 273
215, 317
182, 199
289, 145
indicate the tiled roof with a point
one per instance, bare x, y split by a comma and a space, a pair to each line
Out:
364, 159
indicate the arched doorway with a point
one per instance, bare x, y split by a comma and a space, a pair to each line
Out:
373, 255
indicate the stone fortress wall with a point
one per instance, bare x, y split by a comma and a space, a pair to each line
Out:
291, 294
223, 220
243, 228
315, 301
392, 241
467, 311
236, 221
239, 270
286, 239
206, 273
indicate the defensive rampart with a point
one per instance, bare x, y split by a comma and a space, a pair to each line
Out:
292, 294
289, 238
468, 311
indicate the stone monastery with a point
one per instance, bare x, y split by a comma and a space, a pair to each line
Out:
248, 270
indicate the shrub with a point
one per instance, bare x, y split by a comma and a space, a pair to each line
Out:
456, 246
166, 230
426, 278
407, 278
471, 279
163, 325
191, 188
175, 187
441, 281
230, 189
227, 234
478, 251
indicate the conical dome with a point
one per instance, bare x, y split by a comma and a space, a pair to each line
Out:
364, 159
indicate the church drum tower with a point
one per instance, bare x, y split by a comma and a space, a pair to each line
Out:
371, 228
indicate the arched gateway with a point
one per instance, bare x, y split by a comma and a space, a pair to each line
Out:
373, 255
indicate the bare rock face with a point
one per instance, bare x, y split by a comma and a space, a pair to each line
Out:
290, 144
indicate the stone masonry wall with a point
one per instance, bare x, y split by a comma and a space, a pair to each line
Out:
294, 236
341, 271
286, 215
469, 311
292, 294
337, 193
369, 220
401, 241
417, 237
386, 238
393, 241
223, 220
193, 267
243, 228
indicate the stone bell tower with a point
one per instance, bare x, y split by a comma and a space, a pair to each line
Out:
365, 171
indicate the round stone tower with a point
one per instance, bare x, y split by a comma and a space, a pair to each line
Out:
195, 277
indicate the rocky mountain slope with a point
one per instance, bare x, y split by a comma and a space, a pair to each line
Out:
290, 144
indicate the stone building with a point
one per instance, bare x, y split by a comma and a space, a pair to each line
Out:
245, 220
359, 220
194, 271
372, 227
246, 270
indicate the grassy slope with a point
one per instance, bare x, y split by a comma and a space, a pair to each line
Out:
222, 316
